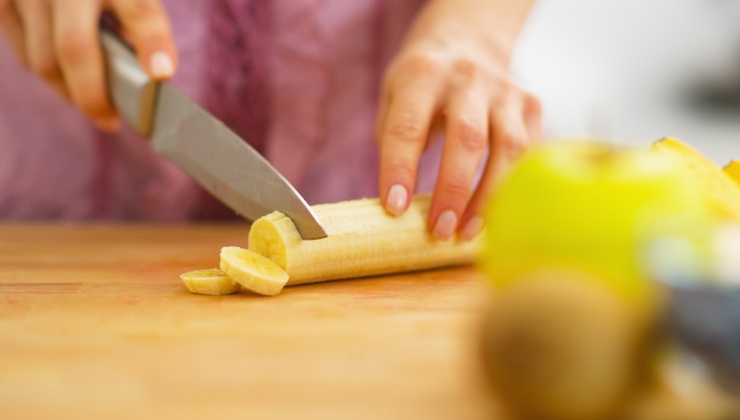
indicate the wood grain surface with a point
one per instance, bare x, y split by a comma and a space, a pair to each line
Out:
95, 323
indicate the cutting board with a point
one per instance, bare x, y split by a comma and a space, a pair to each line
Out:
95, 323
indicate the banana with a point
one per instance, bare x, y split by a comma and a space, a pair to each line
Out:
719, 187
212, 282
253, 271
732, 170
363, 240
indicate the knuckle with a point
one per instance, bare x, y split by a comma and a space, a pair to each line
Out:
470, 137
75, 48
406, 129
456, 190
508, 88
466, 68
423, 66
513, 145
401, 170
504, 92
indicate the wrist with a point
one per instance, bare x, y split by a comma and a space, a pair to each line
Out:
492, 24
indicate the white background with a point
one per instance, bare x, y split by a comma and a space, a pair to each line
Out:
620, 70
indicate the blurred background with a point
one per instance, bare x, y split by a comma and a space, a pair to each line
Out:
632, 71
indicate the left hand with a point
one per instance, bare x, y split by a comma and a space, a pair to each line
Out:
452, 72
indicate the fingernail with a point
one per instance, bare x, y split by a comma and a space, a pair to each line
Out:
472, 228
109, 124
397, 199
445, 226
161, 65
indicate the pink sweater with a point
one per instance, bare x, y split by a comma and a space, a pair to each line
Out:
298, 78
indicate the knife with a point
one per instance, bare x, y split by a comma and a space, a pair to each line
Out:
701, 305
705, 320
201, 145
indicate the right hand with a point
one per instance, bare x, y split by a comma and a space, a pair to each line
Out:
58, 40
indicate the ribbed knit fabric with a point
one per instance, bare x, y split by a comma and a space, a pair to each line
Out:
237, 69
237, 76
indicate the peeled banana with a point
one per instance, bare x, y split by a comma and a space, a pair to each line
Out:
363, 240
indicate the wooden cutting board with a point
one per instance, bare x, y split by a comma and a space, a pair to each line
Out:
95, 323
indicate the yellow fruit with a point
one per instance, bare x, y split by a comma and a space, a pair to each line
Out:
598, 209
212, 282
253, 271
364, 240
720, 189
733, 171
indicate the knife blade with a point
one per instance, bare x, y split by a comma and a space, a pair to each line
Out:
201, 145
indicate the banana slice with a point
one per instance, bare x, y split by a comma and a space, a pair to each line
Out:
253, 271
212, 282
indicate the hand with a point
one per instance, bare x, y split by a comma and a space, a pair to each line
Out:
58, 40
452, 72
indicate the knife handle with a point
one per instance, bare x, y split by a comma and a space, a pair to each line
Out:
129, 87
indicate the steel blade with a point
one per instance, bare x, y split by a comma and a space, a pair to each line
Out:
224, 164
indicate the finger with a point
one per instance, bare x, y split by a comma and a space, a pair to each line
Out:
36, 19
533, 118
405, 133
148, 28
509, 138
75, 34
466, 142
383, 105
11, 26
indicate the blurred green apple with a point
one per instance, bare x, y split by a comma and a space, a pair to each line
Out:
605, 211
